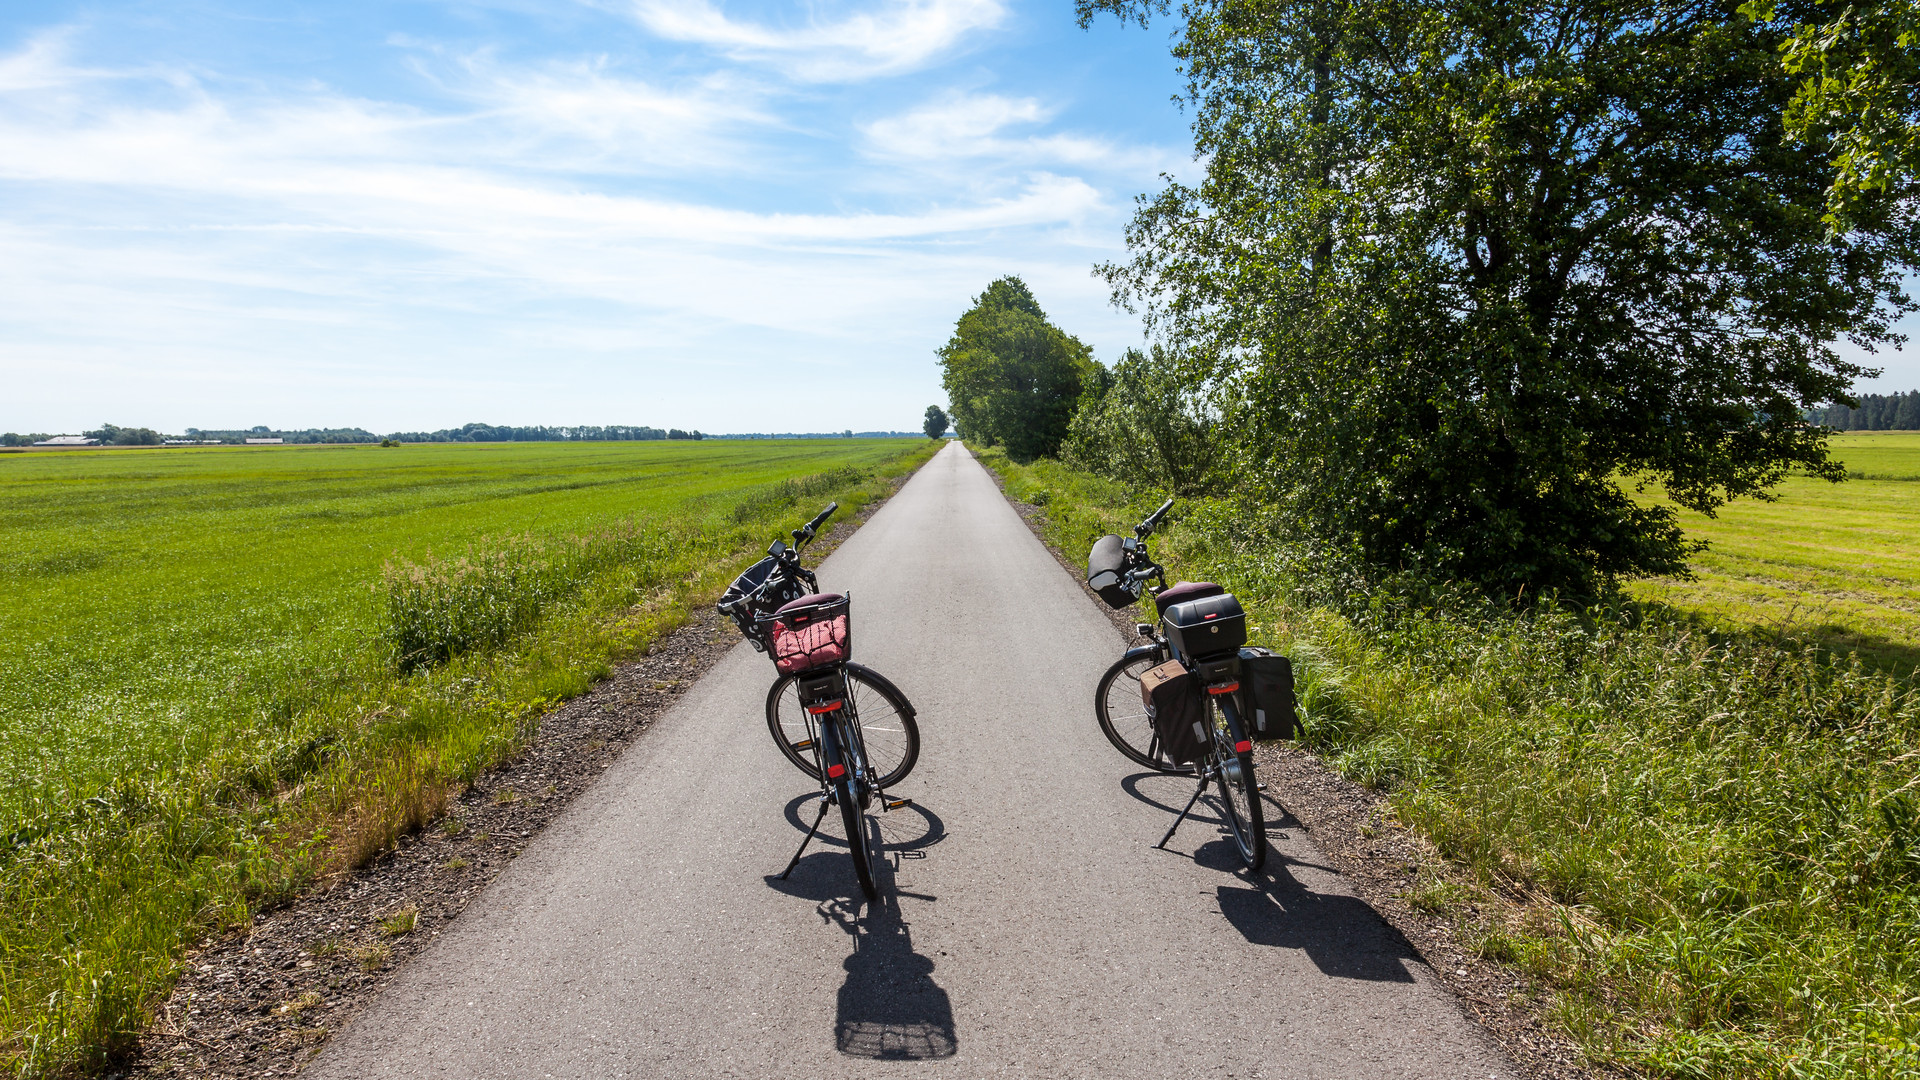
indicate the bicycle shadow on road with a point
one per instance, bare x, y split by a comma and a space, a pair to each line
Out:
889, 1008
1343, 936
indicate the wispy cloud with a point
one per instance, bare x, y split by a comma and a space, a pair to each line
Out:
971, 126
899, 35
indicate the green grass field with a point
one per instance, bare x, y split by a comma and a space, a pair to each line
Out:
1837, 564
202, 704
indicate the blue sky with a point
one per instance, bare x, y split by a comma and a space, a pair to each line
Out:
698, 213
674, 212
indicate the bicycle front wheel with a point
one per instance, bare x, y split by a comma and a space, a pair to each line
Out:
889, 738
1123, 715
1245, 817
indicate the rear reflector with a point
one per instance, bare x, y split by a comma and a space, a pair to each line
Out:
1230, 688
835, 772
828, 707
1243, 746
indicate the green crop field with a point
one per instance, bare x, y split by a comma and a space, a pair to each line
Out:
228, 669
1833, 563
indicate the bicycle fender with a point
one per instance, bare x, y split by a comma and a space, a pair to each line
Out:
886, 682
1138, 651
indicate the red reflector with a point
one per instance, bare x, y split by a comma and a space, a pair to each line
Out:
1227, 689
1215, 615
828, 707
835, 772
1243, 746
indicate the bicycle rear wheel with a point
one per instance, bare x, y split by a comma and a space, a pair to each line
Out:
889, 738
859, 843
1246, 819
1123, 715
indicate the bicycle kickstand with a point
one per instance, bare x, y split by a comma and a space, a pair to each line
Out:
808, 839
1204, 779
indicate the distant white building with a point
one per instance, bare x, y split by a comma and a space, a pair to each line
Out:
264, 442
68, 440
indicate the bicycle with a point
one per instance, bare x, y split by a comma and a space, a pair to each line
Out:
843, 724
1202, 628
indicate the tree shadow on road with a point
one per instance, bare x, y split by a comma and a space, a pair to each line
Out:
889, 1008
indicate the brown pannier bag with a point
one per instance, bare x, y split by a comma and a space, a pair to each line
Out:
1179, 710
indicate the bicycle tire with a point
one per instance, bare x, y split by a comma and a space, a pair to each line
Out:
1240, 792
889, 736
855, 820
1123, 716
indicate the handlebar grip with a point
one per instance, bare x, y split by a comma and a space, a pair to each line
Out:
1154, 518
824, 515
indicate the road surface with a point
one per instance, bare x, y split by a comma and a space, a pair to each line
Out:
1031, 929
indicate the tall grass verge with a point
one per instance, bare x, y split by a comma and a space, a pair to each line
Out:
469, 649
1716, 836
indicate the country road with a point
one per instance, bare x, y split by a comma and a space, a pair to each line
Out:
1031, 929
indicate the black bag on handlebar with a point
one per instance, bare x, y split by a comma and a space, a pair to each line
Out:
750, 616
1107, 572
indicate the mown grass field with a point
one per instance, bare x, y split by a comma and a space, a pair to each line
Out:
205, 701
1834, 563
1699, 851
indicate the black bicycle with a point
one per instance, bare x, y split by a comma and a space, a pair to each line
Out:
1179, 703
843, 724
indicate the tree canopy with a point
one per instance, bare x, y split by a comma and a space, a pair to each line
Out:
1860, 92
1012, 378
1462, 268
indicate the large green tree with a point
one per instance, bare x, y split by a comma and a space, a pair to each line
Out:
1468, 266
1012, 378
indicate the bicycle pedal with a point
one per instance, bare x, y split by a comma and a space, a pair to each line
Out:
895, 804
804, 744
912, 854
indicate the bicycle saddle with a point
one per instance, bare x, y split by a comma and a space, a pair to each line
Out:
1185, 591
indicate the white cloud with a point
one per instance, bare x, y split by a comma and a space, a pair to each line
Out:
173, 237
895, 36
972, 126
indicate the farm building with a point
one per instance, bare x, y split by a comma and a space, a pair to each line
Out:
68, 440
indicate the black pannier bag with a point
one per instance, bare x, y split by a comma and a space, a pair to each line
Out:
1106, 572
1266, 695
1205, 627
1179, 710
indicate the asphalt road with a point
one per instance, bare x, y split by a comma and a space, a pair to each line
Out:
1031, 930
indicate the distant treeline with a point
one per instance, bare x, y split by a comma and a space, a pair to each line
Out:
502, 433
848, 434
113, 435
1877, 412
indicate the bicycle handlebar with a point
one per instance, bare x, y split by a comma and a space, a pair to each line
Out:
1153, 519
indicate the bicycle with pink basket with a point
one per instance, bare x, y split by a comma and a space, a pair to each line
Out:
839, 722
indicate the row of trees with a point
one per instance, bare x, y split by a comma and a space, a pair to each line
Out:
1872, 412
